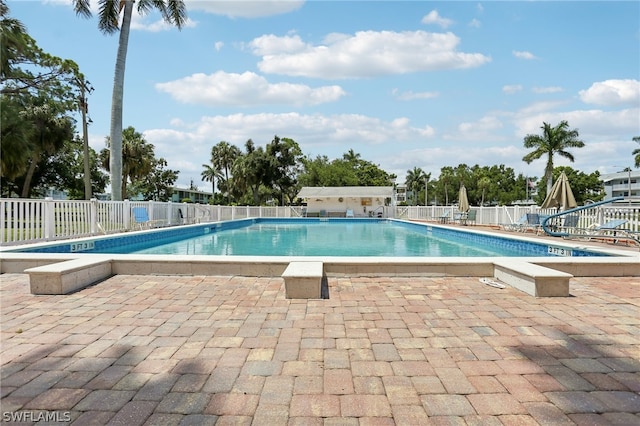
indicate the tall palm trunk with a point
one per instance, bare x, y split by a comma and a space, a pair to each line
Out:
115, 159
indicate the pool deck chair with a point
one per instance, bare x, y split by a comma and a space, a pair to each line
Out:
471, 217
612, 230
349, 213
141, 218
608, 231
444, 217
516, 226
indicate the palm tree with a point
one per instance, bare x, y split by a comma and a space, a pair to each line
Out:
554, 140
483, 183
636, 152
446, 175
222, 157
138, 157
351, 156
173, 12
210, 174
414, 180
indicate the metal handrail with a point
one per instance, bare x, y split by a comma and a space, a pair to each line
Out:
576, 209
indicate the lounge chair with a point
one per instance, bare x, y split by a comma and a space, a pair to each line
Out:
141, 218
610, 230
349, 213
532, 224
444, 217
471, 217
516, 226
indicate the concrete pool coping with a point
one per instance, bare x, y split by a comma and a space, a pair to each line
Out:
537, 276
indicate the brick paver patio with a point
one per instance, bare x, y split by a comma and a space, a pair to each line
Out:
137, 350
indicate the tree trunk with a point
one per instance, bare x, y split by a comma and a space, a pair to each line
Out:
26, 187
117, 103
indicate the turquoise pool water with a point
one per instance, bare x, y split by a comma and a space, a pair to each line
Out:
313, 237
325, 239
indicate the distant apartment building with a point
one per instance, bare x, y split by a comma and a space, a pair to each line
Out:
196, 196
401, 194
622, 184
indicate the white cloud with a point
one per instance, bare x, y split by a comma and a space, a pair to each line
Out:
245, 9
434, 17
486, 128
218, 45
246, 89
592, 125
475, 23
523, 55
612, 92
317, 134
543, 90
410, 96
511, 89
364, 54
268, 45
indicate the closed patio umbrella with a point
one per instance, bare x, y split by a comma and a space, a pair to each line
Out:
463, 202
560, 195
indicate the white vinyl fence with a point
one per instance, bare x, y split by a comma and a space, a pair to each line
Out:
31, 220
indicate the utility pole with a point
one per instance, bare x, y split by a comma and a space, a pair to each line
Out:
85, 87
629, 170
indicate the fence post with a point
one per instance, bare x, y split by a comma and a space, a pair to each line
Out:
152, 215
126, 213
49, 218
93, 216
4, 226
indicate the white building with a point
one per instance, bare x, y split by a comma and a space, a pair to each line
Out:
362, 201
622, 184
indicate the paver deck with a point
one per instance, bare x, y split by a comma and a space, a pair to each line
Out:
202, 350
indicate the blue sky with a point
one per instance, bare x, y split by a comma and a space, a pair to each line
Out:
405, 84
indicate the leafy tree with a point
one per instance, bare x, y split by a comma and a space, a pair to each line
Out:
37, 93
284, 156
65, 169
25, 67
51, 130
252, 169
636, 152
173, 12
320, 171
158, 184
554, 140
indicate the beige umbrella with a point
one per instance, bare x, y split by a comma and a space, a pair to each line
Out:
560, 195
463, 201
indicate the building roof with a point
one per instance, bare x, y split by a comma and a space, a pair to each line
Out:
608, 177
346, 191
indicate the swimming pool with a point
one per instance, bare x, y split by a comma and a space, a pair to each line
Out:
315, 237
